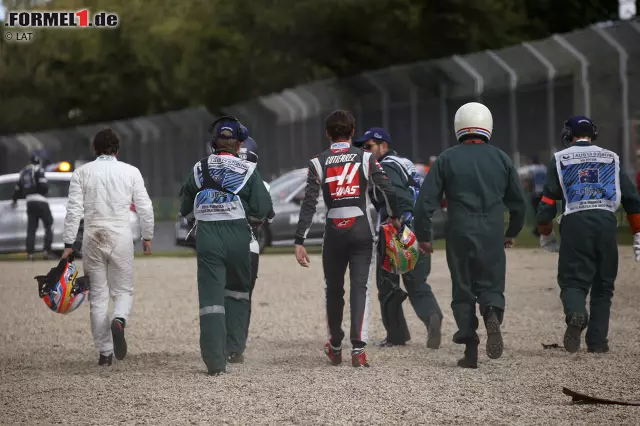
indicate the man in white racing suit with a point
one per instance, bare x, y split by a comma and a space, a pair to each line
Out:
103, 191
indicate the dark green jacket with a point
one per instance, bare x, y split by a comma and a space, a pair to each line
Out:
479, 180
400, 184
255, 198
552, 192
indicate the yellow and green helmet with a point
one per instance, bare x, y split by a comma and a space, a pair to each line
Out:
401, 251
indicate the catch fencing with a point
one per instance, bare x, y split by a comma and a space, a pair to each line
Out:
531, 89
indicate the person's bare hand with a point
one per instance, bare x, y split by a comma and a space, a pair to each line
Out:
146, 247
66, 253
509, 242
426, 249
301, 256
395, 223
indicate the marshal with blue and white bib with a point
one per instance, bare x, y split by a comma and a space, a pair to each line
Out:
220, 178
409, 172
590, 178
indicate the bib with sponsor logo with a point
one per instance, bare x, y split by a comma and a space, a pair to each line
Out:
220, 178
590, 178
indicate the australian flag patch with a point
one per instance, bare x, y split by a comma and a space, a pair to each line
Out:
589, 176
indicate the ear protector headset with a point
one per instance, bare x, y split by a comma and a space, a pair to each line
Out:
567, 133
240, 135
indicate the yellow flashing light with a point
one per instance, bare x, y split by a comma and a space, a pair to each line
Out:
64, 166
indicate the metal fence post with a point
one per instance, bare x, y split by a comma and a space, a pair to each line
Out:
30, 142
268, 103
304, 108
292, 118
475, 75
513, 101
623, 58
584, 71
551, 75
156, 162
384, 93
444, 117
358, 110
413, 104
317, 109
144, 161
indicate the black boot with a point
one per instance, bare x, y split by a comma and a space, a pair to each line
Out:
495, 345
119, 342
235, 358
434, 328
470, 359
572, 336
105, 360
386, 343
598, 349
217, 371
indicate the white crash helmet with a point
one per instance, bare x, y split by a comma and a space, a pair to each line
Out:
473, 119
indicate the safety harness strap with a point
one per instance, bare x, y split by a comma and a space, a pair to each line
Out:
207, 180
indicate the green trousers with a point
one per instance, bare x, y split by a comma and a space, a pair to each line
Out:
224, 281
588, 262
477, 264
415, 282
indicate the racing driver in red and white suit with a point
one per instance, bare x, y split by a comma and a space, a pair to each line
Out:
343, 174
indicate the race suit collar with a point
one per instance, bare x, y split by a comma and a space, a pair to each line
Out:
106, 157
582, 142
226, 152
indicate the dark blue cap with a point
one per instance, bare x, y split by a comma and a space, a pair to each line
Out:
230, 129
249, 150
376, 133
580, 126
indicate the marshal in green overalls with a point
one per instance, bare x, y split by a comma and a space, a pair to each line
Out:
590, 183
221, 191
480, 183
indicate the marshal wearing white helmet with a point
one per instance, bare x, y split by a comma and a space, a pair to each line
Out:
479, 180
